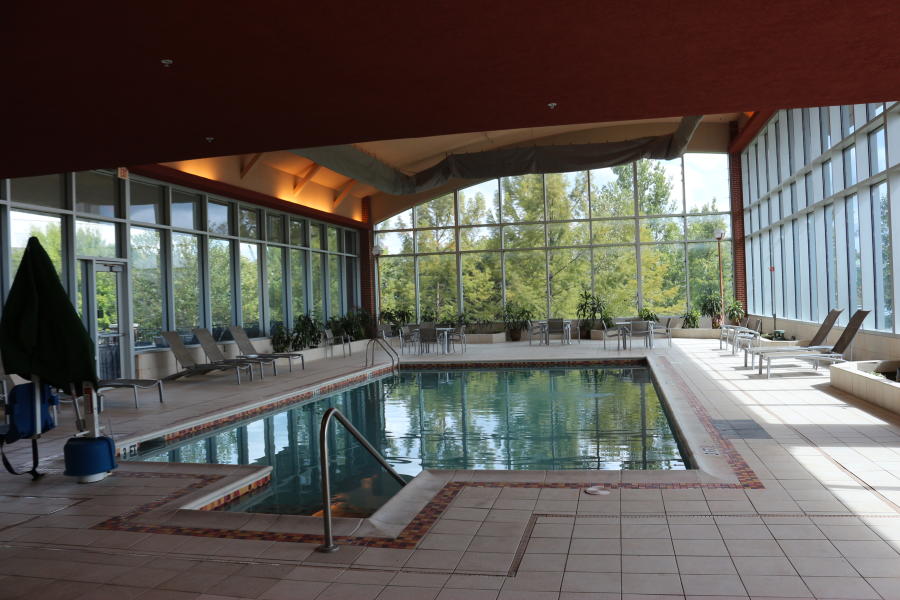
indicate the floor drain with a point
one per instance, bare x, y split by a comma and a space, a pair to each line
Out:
596, 491
710, 450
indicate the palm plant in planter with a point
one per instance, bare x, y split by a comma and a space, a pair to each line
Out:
515, 319
734, 312
590, 309
710, 306
307, 333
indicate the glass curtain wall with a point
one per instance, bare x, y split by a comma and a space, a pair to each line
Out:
193, 260
834, 195
638, 235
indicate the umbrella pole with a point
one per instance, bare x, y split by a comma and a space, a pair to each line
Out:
36, 384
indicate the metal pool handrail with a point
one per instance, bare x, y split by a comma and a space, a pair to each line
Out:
386, 347
328, 544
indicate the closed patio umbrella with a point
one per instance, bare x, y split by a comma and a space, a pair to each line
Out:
41, 336
40, 332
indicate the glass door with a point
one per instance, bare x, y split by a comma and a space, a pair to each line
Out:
100, 293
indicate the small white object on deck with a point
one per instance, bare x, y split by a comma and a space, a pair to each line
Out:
596, 491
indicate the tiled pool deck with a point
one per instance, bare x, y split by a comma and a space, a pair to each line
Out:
800, 499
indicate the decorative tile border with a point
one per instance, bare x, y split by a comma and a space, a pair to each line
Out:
744, 473
524, 364
306, 394
227, 499
410, 536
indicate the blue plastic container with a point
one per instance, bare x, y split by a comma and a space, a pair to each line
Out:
90, 459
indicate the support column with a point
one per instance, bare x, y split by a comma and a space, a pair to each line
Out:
737, 225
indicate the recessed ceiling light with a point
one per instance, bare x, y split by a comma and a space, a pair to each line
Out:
167, 62
551, 105
210, 139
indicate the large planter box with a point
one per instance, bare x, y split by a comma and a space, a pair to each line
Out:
702, 333
486, 338
859, 379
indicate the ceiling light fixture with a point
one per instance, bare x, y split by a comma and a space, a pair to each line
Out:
167, 62
551, 105
210, 139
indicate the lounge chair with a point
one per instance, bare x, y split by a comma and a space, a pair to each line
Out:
247, 350
745, 336
834, 355
190, 366
725, 331
814, 344
215, 355
134, 384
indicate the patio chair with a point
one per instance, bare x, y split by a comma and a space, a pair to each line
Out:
558, 327
457, 335
537, 329
135, 384
247, 350
189, 366
664, 331
408, 337
744, 337
725, 331
215, 355
329, 340
616, 332
642, 329
835, 355
427, 337
815, 344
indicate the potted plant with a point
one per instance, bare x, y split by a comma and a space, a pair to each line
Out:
307, 333
281, 338
515, 319
734, 311
710, 306
645, 314
590, 309
690, 319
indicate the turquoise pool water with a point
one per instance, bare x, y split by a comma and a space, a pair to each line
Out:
515, 419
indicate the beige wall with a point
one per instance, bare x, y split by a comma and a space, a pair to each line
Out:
866, 346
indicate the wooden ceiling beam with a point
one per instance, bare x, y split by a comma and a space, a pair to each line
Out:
342, 193
249, 164
306, 178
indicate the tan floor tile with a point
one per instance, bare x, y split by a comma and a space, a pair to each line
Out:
647, 547
779, 586
592, 582
888, 587
599, 546
765, 565
700, 547
350, 591
494, 562
407, 593
596, 563
851, 588
712, 585
537, 582
545, 562
651, 583
705, 565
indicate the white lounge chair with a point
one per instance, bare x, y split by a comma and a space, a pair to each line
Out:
835, 355
816, 343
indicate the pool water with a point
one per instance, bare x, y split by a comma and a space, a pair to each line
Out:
513, 419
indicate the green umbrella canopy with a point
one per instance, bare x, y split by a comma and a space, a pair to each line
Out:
40, 332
